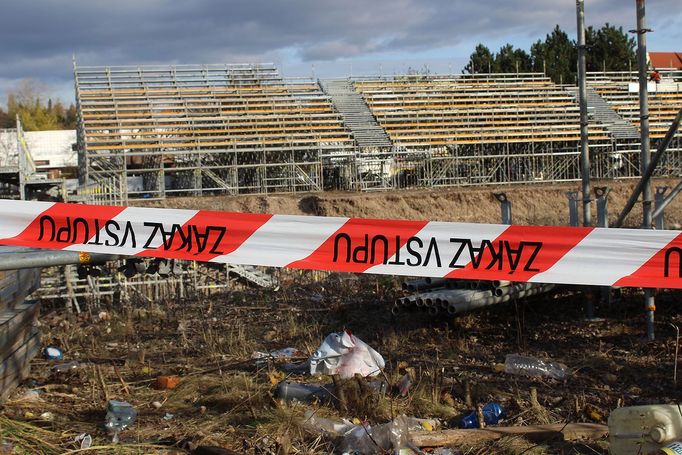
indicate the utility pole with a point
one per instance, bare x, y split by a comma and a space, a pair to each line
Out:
645, 154
582, 98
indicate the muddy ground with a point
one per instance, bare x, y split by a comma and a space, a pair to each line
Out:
225, 399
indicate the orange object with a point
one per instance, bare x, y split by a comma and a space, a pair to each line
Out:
167, 382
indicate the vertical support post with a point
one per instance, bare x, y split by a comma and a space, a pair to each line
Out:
659, 220
505, 207
573, 216
21, 161
645, 154
602, 195
582, 97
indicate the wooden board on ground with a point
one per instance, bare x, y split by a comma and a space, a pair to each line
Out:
16, 326
16, 285
15, 366
568, 432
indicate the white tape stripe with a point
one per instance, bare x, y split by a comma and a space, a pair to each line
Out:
442, 232
137, 217
284, 239
606, 255
15, 217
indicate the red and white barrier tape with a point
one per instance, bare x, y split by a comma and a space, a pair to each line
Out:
544, 254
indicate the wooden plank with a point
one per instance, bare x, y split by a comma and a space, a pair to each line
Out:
15, 326
569, 432
15, 366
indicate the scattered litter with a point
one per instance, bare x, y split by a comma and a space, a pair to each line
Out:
327, 427
405, 384
444, 451
47, 416
594, 413
168, 416
393, 436
492, 413
104, 316
533, 367
29, 395
291, 391
53, 353
85, 440
65, 367
365, 439
167, 382
296, 368
643, 429
674, 448
120, 415
346, 355
285, 353
156, 404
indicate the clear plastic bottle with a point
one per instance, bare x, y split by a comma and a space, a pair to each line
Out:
120, 415
533, 367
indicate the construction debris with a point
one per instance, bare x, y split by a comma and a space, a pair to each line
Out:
450, 296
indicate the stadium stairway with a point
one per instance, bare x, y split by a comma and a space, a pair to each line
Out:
604, 114
356, 114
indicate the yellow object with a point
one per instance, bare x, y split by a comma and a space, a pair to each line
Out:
84, 257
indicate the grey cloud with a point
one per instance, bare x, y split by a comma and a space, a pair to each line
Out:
40, 36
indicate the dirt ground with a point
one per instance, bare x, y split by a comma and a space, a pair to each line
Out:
533, 204
226, 399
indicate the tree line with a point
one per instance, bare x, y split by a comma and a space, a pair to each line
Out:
606, 49
36, 111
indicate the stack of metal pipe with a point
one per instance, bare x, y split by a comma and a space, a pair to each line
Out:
452, 296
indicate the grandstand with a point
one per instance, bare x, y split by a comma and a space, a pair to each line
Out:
620, 90
150, 132
192, 129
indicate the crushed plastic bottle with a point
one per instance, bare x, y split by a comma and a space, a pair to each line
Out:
533, 367
492, 414
65, 367
120, 415
291, 391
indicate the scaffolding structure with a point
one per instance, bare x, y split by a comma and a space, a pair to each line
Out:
191, 130
155, 131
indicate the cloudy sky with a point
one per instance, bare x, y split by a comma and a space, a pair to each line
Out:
303, 37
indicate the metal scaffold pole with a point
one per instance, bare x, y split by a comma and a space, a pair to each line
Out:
582, 96
645, 154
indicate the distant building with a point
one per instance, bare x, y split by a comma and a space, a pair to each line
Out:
39, 165
52, 151
672, 60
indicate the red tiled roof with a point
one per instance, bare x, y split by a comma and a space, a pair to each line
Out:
665, 59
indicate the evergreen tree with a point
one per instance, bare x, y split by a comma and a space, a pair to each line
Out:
481, 61
610, 49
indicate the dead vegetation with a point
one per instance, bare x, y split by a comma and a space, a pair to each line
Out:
225, 399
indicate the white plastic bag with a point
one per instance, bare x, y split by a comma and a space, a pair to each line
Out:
345, 354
